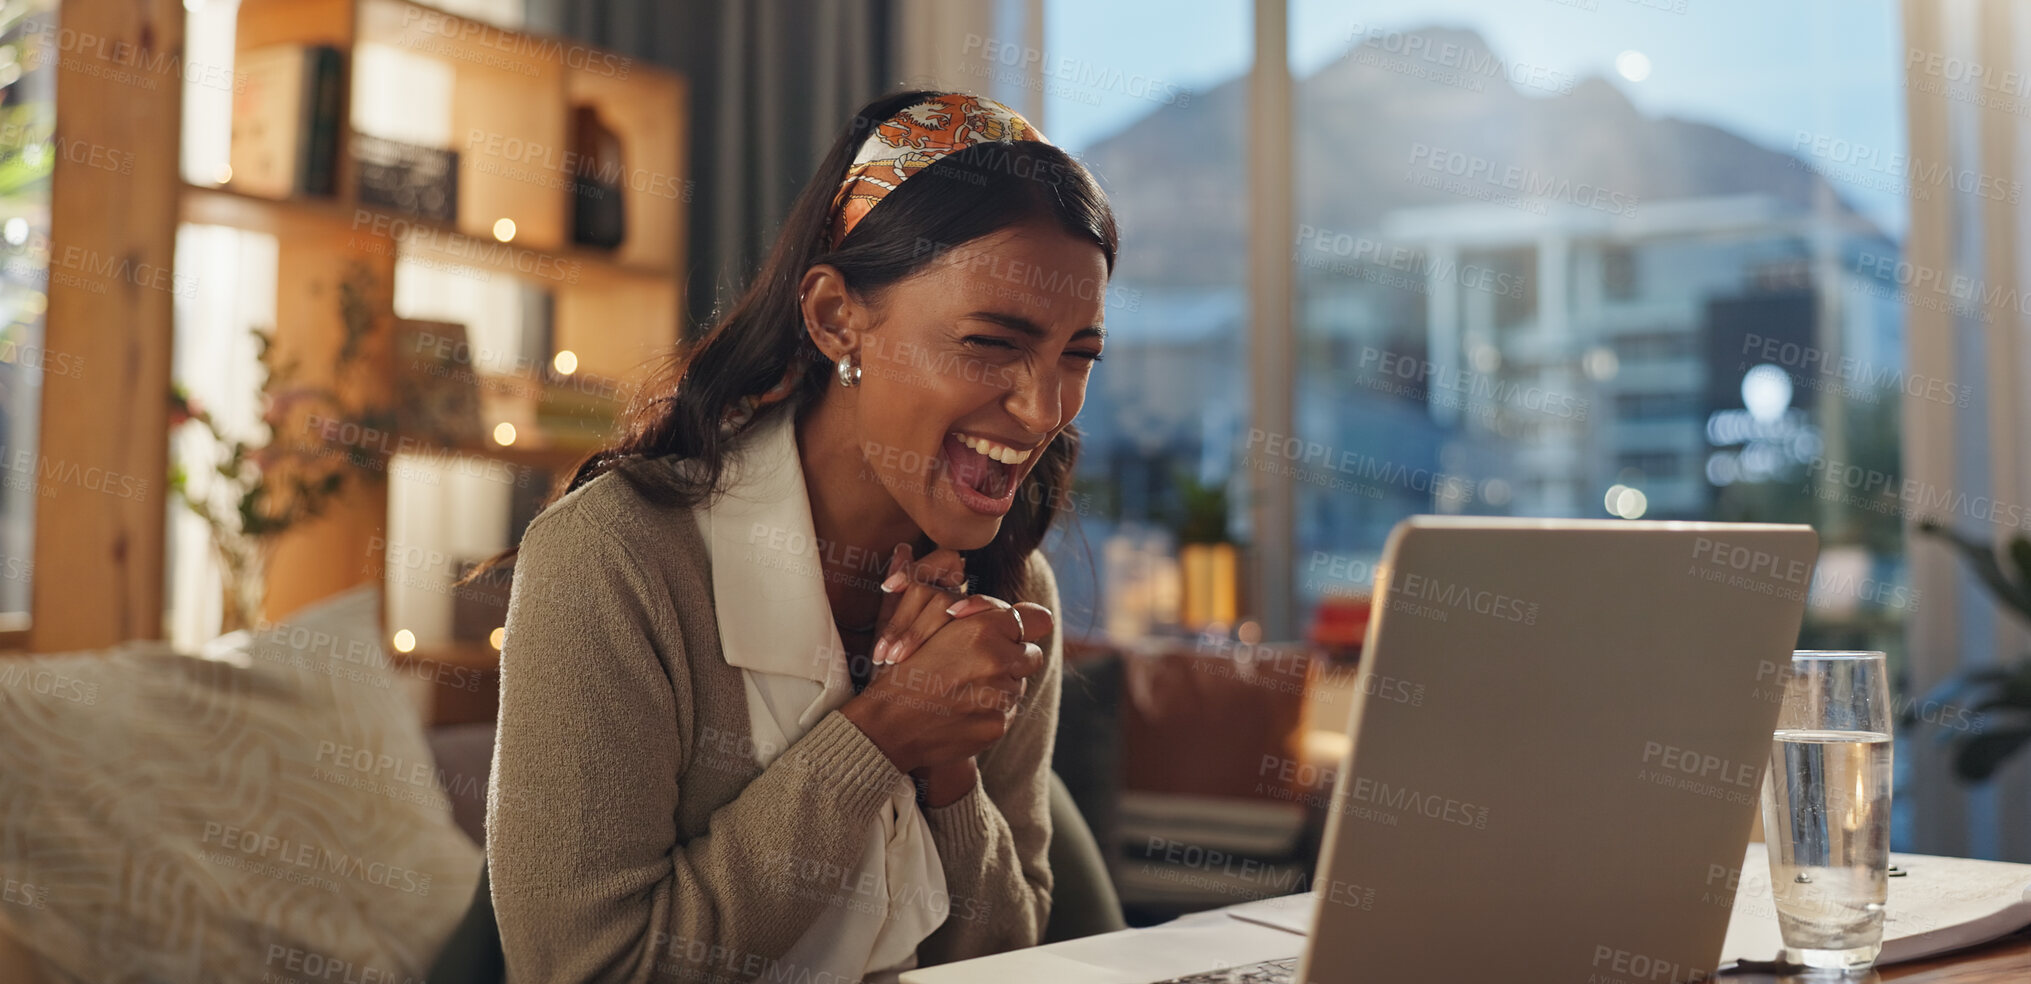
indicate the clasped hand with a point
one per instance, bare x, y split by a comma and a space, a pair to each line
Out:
950, 671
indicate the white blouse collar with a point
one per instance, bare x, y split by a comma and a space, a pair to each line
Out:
768, 584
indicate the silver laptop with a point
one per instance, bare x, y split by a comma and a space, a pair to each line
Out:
1556, 760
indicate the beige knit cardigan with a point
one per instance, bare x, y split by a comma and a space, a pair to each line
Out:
631, 837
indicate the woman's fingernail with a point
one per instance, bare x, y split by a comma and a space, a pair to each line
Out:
895, 582
881, 650
953, 609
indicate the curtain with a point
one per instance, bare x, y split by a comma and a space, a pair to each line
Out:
943, 44
1965, 278
772, 81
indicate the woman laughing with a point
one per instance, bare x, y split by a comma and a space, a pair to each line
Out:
781, 668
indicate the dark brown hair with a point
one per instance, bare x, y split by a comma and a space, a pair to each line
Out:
960, 198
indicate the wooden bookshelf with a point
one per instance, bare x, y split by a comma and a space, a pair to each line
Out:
510, 107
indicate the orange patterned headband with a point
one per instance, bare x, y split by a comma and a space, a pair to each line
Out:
914, 139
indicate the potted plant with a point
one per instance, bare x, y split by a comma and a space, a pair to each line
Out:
1208, 561
255, 487
2000, 696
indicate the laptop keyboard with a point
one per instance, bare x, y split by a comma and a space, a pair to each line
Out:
1283, 971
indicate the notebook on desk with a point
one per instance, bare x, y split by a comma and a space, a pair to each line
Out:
1594, 719
1936, 905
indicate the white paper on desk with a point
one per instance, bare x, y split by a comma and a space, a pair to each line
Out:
1940, 905
1198, 942
1290, 913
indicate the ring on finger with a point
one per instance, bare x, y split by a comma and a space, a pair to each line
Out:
1021, 631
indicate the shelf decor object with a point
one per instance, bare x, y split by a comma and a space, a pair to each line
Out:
421, 181
437, 398
598, 213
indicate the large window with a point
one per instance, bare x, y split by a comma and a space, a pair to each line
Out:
1598, 260
1591, 259
28, 151
1152, 99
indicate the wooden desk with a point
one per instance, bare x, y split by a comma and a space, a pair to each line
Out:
2006, 960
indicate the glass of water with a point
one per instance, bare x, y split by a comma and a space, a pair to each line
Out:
1826, 809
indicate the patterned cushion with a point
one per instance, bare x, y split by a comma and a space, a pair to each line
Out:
266, 810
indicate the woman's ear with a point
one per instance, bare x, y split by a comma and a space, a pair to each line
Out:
833, 316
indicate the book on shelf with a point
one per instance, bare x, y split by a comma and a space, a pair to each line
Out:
574, 409
539, 325
572, 415
284, 137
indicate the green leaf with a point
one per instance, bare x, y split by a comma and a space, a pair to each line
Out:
1981, 755
2019, 552
2015, 690
1981, 558
1988, 674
